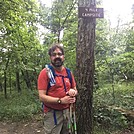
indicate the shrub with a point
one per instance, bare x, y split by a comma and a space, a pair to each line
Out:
19, 106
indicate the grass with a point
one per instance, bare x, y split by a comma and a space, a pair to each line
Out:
19, 106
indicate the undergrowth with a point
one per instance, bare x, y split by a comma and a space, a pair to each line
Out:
19, 106
25, 105
112, 105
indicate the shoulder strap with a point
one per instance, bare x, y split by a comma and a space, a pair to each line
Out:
69, 75
51, 77
52, 69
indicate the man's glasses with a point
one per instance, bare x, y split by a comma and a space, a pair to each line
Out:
54, 54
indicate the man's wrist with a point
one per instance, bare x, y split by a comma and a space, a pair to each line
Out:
59, 101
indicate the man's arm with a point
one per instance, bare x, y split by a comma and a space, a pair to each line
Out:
48, 99
45, 98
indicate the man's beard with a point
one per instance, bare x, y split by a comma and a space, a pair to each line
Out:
57, 62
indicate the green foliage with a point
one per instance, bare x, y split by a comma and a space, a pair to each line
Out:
111, 117
114, 53
62, 16
19, 106
105, 112
19, 45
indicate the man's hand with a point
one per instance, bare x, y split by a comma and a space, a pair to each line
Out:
68, 100
72, 92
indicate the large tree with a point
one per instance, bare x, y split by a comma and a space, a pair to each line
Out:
85, 70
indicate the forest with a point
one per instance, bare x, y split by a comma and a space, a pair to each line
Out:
28, 28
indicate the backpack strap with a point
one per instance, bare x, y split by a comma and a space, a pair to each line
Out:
52, 69
69, 75
51, 76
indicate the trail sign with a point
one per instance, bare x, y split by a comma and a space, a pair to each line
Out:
90, 12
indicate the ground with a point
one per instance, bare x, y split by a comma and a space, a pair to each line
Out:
34, 127
31, 127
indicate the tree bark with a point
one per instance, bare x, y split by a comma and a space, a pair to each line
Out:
18, 81
5, 79
27, 79
5, 84
85, 71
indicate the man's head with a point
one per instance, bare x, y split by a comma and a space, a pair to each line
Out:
56, 54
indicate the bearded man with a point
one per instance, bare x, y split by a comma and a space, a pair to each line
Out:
58, 97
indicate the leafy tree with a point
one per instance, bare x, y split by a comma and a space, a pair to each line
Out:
18, 39
61, 17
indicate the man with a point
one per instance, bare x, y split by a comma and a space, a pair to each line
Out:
57, 98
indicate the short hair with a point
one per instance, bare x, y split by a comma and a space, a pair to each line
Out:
53, 48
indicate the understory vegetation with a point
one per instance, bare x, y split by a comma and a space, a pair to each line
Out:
19, 106
113, 110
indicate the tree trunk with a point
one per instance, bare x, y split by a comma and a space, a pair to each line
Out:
10, 83
5, 84
27, 79
5, 78
18, 81
85, 71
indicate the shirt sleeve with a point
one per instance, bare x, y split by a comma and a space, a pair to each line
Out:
43, 80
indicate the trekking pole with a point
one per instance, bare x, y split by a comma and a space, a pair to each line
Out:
73, 128
74, 119
70, 120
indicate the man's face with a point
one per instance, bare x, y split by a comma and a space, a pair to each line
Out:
57, 58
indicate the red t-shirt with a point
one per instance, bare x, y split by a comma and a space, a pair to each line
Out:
57, 90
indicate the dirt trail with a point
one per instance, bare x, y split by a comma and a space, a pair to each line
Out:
21, 128
34, 127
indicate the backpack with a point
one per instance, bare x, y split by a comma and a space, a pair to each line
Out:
53, 75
